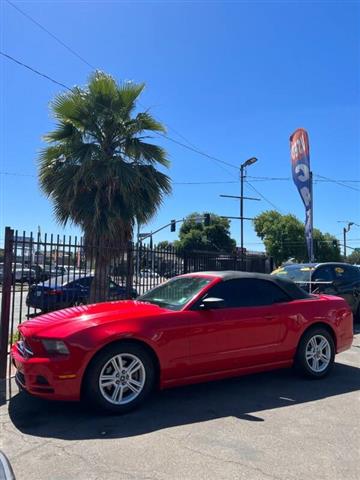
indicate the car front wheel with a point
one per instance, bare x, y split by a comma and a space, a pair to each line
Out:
120, 378
316, 353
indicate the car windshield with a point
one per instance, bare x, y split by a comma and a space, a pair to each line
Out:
176, 293
296, 273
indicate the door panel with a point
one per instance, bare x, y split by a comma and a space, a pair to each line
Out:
208, 339
233, 338
257, 333
242, 333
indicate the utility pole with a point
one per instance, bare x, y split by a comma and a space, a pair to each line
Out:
347, 230
243, 166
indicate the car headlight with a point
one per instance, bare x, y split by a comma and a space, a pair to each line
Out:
55, 347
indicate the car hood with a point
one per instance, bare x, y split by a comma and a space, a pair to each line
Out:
71, 320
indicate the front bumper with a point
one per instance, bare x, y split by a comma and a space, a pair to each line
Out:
45, 377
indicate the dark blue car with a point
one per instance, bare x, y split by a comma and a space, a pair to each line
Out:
60, 292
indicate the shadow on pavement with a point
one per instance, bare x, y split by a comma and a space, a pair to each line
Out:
239, 397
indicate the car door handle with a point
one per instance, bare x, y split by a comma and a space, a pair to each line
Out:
270, 317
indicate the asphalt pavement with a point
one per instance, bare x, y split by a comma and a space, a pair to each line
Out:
266, 426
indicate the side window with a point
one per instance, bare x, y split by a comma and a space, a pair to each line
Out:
229, 291
324, 273
346, 273
269, 293
248, 293
83, 282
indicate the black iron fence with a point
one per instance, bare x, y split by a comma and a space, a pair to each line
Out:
43, 273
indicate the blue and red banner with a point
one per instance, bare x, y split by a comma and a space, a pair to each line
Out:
300, 165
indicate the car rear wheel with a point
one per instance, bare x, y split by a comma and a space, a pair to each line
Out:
316, 353
120, 378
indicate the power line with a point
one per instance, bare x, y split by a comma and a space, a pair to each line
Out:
193, 149
268, 178
338, 182
71, 50
211, 157
262, 196
160, 134
9, 57
320, 180
57, 39
205, 183
191, 146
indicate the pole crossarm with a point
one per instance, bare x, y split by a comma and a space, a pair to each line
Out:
239, 197
237, 218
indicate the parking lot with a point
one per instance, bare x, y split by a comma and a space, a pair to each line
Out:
266, 426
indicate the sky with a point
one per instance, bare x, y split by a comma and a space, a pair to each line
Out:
234, 79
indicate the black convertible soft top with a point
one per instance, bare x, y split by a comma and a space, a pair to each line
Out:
293, 290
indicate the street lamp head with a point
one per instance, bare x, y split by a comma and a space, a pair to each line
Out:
249, 162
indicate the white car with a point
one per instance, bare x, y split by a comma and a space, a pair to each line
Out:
148, 273
24, 274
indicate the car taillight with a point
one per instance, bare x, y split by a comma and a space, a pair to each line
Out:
55, 292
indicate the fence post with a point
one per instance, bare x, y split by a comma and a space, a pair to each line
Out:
185, 259
129, 270
6, 300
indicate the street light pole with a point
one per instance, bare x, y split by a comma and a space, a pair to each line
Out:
248, 162
346, 230
242, 211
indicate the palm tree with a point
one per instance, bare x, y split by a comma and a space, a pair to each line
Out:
99, 169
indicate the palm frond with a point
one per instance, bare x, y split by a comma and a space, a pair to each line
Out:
98, 169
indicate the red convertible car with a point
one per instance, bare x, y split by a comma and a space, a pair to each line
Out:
193, 328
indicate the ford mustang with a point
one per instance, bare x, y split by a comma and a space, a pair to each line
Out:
193, 328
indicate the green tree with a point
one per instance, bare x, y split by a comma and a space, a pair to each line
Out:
164, 244
194, 235
354, 257
284, 238
99, 170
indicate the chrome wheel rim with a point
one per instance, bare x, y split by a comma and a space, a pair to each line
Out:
318, 353
122, 379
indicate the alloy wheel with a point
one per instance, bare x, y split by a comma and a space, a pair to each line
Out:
122, 379
318, 353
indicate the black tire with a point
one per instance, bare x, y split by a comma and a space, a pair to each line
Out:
304, 366
91, 388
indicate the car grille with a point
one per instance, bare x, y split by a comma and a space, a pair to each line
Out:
24, 348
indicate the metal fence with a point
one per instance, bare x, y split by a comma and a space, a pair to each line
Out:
44, 273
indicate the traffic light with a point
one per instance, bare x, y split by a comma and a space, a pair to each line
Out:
173, 226
335, 243
206, 219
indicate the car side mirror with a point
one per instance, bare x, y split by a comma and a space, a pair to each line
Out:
212, 303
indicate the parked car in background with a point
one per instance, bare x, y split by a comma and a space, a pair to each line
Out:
331, 278
193, 328
20, 273
24, 274
148, 273
59, 292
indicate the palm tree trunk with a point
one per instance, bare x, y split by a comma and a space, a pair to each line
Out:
99, 290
